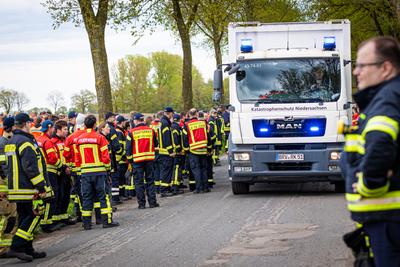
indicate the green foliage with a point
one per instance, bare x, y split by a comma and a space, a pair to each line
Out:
84, 101
148, 84
368, 17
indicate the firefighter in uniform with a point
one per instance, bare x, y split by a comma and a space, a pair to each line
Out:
64, 180
371, 159
8, 211
140, 150
122, 163
71, 121
210, 162
179, 159
227, 125
26, 182
215, 125
117, 152
94, 161
166, 152
155, 125
69, 156
196, 141
53, 166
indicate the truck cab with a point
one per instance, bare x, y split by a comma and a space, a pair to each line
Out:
290, 85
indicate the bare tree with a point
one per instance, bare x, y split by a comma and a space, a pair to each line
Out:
84, 101
7, 99
55, 99
21, 100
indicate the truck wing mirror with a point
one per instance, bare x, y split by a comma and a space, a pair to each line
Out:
217, 94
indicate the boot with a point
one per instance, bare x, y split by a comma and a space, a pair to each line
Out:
106, 224
20, 255
37, 255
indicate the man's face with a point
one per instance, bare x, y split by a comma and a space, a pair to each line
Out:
73, 120
368, 75
111, 119
169, 115
63, 132
50, 131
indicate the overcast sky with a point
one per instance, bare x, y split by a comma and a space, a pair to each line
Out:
36, 59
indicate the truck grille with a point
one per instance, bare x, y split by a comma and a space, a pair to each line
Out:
290, 166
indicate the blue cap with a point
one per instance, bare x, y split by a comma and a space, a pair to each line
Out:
121, 118
138, 116
22, 117
176, 117
8, 123
45, 125
72, 114
169, 109
108, 115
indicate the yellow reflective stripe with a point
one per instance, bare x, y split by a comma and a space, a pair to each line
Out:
25, 145
96, 205
2, 158
103, 148
388, 201
22, 191
24, 235
367, 192
3, 188
89, 170
113, 137
50, 150
382, 124
106, 211
37, 179
33, 225
86, 213
165, 184
5, 242
354, 143
165, 129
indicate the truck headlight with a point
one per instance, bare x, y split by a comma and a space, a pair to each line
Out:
335, 155
241, 156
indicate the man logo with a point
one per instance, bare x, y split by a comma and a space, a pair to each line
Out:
289, 126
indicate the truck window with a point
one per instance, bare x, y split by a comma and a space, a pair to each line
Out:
290, 80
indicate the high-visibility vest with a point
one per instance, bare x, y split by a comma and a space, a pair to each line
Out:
143, 144
197, 135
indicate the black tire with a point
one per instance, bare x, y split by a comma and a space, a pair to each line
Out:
340, 187
240, 188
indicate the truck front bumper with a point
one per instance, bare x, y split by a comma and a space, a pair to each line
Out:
264, 165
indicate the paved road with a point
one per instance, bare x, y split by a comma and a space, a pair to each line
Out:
274, 225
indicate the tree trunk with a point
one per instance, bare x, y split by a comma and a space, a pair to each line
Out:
95, 28
187, 92
101, 73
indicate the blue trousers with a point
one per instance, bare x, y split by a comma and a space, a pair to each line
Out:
385, 242
166, 169
144, 181
198, 166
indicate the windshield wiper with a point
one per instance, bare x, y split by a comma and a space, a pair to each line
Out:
266, 100
311, 100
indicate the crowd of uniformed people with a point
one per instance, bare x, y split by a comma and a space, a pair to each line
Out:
60, 170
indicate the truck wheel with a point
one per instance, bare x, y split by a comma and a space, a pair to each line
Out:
240, 188
340, 187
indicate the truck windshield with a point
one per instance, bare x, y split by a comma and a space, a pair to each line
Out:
289, 80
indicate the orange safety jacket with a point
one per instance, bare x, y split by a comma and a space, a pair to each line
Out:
36, 132
59, 144
155, 125
141, 143
53, 162
195, 136
70, 149
92, 153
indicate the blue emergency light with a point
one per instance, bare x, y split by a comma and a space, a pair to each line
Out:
329, 43
314, 128
246, 45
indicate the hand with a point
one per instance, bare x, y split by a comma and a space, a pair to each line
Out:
42, 195
3, 195
67, 171
172, 155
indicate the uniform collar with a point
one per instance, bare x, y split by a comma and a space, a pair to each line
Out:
140, 124
364, 97
17, 131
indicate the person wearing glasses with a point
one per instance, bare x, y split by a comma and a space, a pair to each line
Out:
372, 157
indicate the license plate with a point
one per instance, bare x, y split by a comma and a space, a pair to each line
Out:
290, 157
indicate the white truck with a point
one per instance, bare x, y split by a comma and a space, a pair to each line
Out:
289, 85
